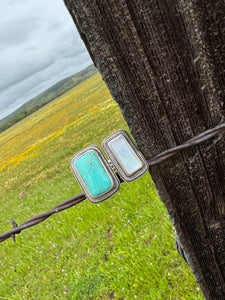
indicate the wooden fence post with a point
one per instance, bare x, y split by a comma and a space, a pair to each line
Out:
163, 62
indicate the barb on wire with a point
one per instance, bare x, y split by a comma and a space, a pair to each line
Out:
80, 197
41, 217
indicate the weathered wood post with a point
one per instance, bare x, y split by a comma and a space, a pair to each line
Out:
163, 62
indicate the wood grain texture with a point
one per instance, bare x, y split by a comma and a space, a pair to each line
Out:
163, 62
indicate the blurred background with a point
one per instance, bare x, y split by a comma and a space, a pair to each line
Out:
39, 45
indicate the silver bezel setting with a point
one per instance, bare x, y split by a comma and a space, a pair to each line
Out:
112, 175
123, 174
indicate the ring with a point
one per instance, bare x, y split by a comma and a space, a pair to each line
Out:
97, 175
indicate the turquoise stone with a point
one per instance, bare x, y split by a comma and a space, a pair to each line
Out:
125, 154
93, 173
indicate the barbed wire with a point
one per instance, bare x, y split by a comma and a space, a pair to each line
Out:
41, 217
81, 197
193, 141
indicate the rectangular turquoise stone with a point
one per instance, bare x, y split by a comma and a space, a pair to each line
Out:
93, 173
126, 156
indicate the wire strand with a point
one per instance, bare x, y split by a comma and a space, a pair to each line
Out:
81, 197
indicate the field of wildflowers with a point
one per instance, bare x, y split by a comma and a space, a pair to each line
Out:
122, 248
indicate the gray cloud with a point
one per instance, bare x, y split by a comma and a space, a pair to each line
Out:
39, 45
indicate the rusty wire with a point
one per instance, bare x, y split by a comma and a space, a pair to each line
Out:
80, 197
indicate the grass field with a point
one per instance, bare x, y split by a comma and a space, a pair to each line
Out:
122, 248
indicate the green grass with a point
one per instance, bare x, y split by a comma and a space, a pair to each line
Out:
122, 248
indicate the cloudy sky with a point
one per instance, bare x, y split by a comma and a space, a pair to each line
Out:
39, 45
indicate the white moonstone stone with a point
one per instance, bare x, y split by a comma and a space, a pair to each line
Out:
125, 155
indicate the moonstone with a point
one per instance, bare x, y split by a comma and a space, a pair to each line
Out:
125, 155
93, 173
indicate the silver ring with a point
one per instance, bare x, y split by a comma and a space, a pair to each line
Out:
96, 175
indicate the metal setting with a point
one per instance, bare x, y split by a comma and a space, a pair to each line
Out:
111, 174
116, 159
111, 165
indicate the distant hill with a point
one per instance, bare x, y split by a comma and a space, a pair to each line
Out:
50, 94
